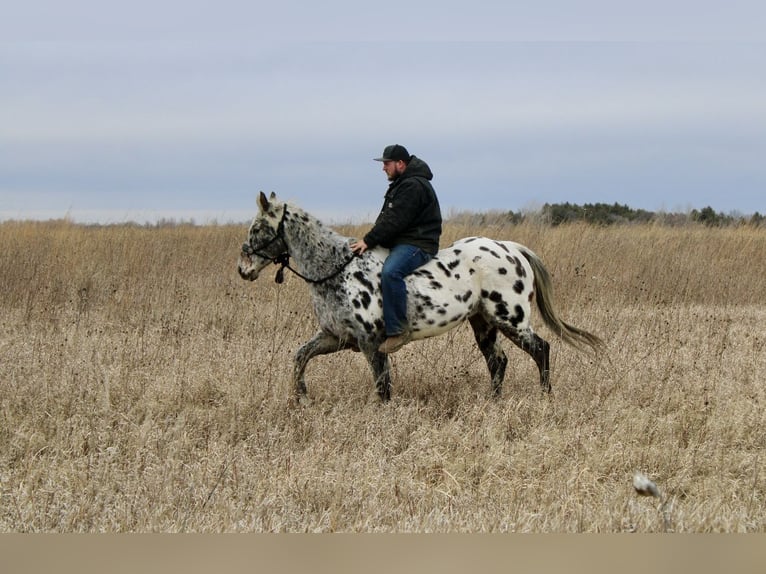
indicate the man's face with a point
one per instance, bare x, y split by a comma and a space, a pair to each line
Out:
394, 169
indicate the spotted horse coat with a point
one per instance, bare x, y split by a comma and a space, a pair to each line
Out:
487, 282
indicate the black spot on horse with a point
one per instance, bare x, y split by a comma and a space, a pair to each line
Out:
490, 251
366, 299
444, 269
427, 301
356, 303
503, 271
496, 297
436, 285
453, 264
457, 251
441, 311
519, 317
366, 324
362, 278
518, 286
520, 271
465, 296
501, 246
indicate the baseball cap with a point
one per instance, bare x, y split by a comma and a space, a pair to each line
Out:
394, 152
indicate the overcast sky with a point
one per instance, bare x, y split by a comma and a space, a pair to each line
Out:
118, 111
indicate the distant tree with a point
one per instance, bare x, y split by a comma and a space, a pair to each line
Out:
514, 218
596, 213
559, 213
616, 214
706, 216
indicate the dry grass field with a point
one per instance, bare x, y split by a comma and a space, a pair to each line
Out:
144, 387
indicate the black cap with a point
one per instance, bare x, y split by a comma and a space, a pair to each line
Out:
395, 152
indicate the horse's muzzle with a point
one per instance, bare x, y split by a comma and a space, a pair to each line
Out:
248, 275
245, 267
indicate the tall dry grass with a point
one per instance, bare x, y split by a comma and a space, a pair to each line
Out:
145, 387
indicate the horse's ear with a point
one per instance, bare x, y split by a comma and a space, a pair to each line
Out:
263, 202
273, 196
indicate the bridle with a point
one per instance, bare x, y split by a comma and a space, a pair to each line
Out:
283, 258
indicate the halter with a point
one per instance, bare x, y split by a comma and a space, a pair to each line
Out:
283, 258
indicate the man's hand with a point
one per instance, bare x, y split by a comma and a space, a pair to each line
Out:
359, 247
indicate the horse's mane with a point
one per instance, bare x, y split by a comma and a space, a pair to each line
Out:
320, 248
310, 219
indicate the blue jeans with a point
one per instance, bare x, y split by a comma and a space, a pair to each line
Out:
402, 261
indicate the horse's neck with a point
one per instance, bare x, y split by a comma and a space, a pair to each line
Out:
317, 250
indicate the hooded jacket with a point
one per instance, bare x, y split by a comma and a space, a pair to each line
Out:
410, 213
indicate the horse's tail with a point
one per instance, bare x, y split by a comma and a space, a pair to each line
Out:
570, 334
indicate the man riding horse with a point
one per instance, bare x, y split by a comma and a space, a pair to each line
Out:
409, 225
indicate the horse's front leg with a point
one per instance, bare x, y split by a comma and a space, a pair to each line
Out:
322, 343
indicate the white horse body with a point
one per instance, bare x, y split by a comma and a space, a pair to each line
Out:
460, 282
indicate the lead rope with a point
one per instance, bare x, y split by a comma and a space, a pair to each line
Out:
274, 343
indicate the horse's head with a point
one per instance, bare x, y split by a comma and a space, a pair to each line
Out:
265, 239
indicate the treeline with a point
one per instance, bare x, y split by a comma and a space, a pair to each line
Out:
550, 214
611, 214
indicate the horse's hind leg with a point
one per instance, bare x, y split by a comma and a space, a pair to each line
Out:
382, 373
486, 338
322, 343
536, 347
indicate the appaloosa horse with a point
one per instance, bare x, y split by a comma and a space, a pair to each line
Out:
490, 283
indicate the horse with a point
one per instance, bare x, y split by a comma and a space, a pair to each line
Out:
489, 283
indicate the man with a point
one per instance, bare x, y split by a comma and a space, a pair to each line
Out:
409, 224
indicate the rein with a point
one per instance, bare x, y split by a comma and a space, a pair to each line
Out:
283, 259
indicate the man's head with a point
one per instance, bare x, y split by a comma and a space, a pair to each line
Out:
395, 159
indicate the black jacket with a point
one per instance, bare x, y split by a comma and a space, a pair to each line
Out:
410, 213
